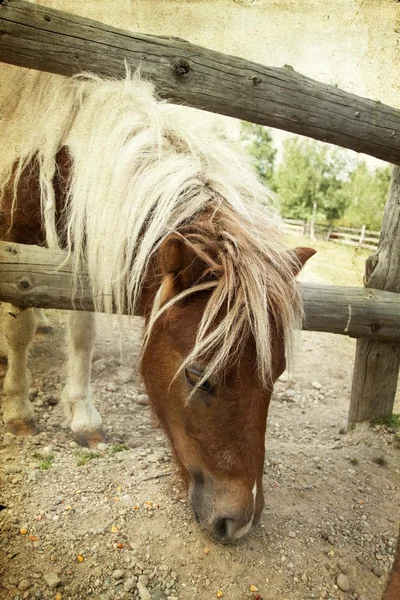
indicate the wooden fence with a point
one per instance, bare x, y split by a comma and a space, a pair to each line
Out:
363, 238
51, 40
296, 226
31, 276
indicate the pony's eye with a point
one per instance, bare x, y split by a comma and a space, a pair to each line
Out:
193, 376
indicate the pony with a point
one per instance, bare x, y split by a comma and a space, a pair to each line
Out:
170, 223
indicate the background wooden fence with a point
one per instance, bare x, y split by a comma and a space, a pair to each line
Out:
362, 237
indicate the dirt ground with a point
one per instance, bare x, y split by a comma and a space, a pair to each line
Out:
114, 523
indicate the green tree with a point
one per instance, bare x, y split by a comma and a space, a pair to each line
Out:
367, 191
258, 143
310, 180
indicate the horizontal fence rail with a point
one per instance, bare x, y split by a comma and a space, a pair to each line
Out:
294, 226
51, 40
32, 276
362, 237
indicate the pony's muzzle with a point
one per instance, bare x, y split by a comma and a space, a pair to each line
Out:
226, 511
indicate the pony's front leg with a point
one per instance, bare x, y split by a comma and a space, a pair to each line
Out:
18, 329
83, 418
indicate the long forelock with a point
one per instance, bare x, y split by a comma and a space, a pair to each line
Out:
141, 169
252, 292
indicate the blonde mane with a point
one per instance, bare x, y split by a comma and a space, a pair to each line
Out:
141, 170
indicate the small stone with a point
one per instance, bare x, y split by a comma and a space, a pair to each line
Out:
129, 585
73, 445
316, 385
377, 571
32, 476
111, 387
124, 374
102, 446
158, 594
343, 582
75, 589
154, 458
292, 534
24, 584
143, 579
118, 574
52, 579
8, 469
342, 566
143, 591
331, 540
142, 399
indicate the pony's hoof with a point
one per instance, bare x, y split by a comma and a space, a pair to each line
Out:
90, 439
22, 428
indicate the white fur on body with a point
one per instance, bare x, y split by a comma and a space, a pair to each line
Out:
18, 328
81, 415
141, 170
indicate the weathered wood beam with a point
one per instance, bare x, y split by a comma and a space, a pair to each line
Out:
32, 276
50, 40
376, 366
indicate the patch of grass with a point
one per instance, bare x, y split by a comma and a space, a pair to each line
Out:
334, 264
82, 458
46, 460
390, 421
380, 460
118, 448
354, 461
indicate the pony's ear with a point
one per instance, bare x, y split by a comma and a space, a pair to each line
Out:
180, 263
301, 256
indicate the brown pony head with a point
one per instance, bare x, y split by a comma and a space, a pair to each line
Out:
216, 423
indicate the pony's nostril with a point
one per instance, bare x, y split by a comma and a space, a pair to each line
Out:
226, 529
221, 529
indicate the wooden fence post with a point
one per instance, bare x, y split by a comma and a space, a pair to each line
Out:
376, 365
328, 235
362, 235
